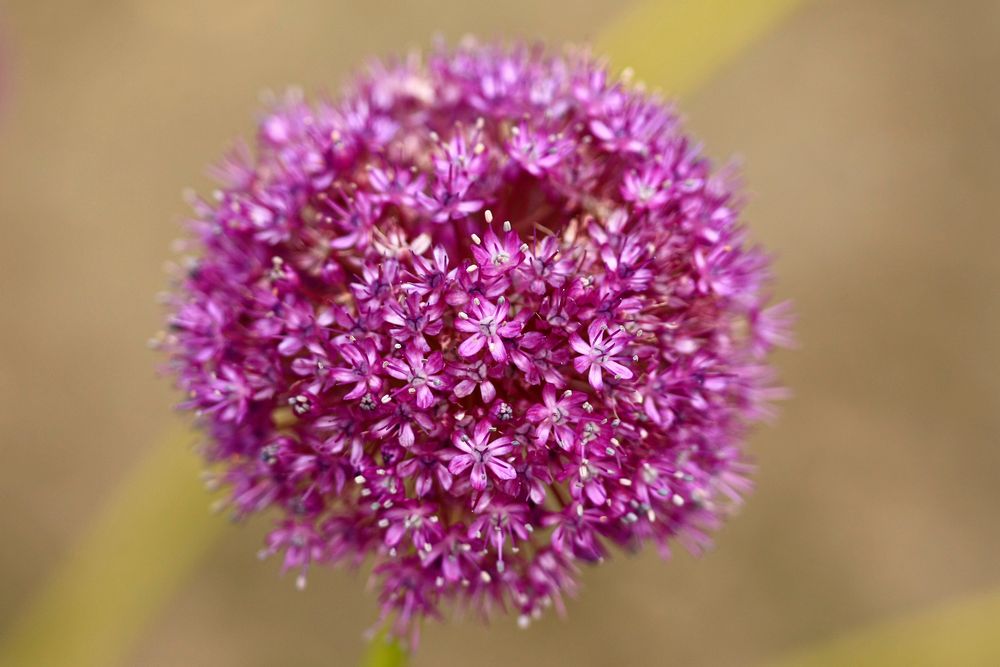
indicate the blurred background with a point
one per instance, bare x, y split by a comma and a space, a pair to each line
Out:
870, 131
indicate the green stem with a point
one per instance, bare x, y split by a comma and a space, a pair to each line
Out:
385, 652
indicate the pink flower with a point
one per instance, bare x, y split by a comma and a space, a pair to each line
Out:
427, 467
400, 419
475, 408
482, 455
544, 266
557, 416
496, 257
488, 326
599, 354
430, 276
418, 521
413, 320
474, 375
648, 189
537, 152
362, 359
421, 374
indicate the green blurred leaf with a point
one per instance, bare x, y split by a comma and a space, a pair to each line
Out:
965, 633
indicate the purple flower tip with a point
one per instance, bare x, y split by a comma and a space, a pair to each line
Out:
486, 316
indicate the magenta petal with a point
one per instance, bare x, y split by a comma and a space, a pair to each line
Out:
459, 463
481, 432
565, 437
472, 345
462, 442
464, 388
596, 493
488, 391
595, 377
510, 329
406, 436
578, 345
478, 477
595, 331
424, 397
289, 346
536, 413
497, 349
502, 310
502, 469
360, 389
618, 370
444, 477
394, 534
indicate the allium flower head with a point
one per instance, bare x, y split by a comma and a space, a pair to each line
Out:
482, 319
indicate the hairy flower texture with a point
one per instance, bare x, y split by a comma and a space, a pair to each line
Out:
482, 319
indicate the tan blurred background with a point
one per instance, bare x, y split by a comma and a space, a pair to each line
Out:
871, 137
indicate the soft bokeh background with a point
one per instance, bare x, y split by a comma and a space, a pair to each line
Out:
871, 135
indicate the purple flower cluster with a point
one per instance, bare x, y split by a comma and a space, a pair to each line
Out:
483, 318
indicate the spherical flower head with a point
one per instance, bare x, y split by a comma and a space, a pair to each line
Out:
482, 319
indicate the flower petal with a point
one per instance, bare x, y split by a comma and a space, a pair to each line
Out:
596, 378
502, 469
478, 477
497, 349
577, 344
459, 464
618, 370
472, 345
